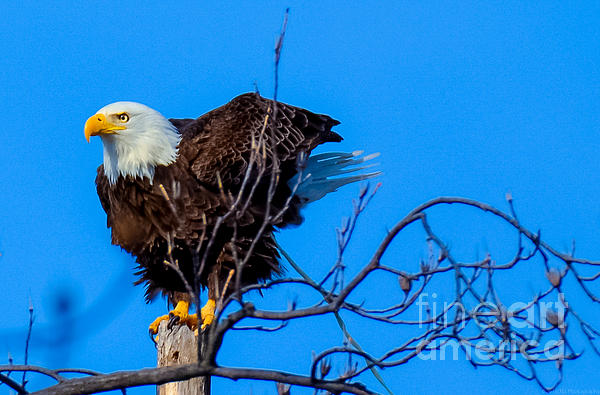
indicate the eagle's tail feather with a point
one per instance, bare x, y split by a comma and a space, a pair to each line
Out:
321, 173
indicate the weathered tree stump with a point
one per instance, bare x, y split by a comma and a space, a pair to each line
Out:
179, 346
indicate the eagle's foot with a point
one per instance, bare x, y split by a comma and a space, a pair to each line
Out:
178, 316
153, 329
207, 313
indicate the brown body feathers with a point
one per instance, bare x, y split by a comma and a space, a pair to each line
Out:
218, 145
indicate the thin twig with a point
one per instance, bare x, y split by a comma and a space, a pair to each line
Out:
29, 329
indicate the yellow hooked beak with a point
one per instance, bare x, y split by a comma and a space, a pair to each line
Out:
97, 124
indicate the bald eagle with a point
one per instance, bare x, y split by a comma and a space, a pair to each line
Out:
165, 183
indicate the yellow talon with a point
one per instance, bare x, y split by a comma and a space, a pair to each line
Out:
184, 317
207, 313
182, 312
154, 325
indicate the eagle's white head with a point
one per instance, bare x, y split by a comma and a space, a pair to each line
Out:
136, 139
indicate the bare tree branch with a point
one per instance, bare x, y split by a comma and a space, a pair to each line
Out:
163, 375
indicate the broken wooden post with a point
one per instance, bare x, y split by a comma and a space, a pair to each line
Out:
179, 346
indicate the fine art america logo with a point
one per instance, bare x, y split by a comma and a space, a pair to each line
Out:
491, 332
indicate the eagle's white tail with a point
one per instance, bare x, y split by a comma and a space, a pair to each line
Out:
321, 173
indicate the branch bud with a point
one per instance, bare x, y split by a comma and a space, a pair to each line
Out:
345, 224
405, 282
283, 389
554, 277
553, 318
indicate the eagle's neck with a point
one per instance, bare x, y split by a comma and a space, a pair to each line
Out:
137, 153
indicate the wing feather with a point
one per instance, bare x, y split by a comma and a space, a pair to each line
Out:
221, 140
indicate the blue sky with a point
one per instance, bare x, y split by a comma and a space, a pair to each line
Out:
466, 99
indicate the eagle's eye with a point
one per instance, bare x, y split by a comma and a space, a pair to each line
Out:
123, 117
